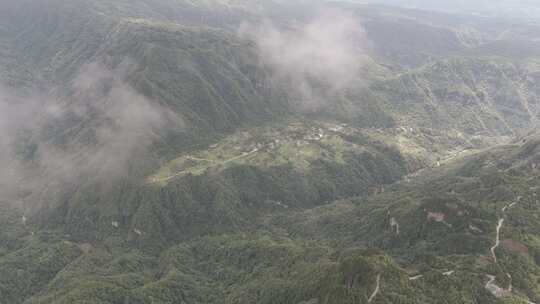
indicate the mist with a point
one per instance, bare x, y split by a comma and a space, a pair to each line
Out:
316, 58
503, 8
98, 131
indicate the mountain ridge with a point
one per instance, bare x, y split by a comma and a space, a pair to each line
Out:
172, 162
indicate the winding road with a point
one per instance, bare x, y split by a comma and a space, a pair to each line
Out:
490, 285
497, 239
168, 178
377, 289
499, 227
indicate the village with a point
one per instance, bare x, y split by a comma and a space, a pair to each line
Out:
296, 143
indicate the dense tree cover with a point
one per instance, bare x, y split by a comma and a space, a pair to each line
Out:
296, 255
330, 232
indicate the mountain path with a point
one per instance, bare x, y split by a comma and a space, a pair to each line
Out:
500, 226
168, 178
377, 289
490, 285
497, 240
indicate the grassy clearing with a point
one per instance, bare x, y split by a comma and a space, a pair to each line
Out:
299, 144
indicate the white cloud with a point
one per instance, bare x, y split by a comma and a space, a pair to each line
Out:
325, 53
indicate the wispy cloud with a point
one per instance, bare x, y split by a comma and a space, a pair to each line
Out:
95, 132
325, 54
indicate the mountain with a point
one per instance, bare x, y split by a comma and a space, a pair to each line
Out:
237, 151
501, 8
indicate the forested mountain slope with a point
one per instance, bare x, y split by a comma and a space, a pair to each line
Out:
188, 152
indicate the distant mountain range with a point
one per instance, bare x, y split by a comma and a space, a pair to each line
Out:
499, 8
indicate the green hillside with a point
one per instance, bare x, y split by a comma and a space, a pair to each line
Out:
427, 238
153, 154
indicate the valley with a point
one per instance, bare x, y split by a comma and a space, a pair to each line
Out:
302, 143
200, 152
